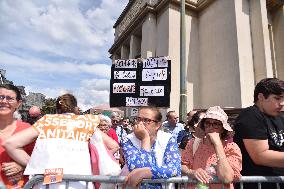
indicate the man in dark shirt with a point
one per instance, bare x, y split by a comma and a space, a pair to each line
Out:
259, 132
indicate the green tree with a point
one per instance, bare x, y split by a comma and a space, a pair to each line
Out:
49, 106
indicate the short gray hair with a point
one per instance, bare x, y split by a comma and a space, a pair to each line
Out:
105, 119
115, 114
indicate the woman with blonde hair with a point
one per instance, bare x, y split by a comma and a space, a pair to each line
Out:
61, 145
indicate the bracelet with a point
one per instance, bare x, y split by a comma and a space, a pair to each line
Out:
219, 157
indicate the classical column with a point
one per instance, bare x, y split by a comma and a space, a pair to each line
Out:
135, 46
260, 40
245, 53
124, 51
148, 43
278, 40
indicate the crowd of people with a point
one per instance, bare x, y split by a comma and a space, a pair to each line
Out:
203, 147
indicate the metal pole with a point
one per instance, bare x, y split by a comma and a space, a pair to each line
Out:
183, 88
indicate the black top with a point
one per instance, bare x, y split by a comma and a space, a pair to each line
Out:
253, 124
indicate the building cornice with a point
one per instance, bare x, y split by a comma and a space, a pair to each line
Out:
136, 10
131, 27
121, 16
155, 3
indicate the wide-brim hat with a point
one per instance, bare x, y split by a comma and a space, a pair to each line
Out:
217, 113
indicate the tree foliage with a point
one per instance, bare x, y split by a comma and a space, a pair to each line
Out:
49, 106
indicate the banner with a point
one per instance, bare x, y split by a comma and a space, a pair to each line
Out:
141, 82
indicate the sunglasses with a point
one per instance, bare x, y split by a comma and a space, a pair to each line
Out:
214, 124
115, 121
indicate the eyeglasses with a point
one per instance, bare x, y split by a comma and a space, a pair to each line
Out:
214, 124
115, 121
145, 120
8, 98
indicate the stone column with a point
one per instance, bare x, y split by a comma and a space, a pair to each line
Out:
278, 36
245, 53
260, 40
135, 46
124, 51
148, 43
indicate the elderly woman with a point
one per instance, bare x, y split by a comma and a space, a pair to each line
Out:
10, 99
213, 155
105, 126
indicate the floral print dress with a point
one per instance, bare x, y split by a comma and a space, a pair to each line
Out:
205, 156
139, 158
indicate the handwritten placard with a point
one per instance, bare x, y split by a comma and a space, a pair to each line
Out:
141, 82
155, 62
152, 91
130, 63
124, 75
154, 74
124, 88
136, 101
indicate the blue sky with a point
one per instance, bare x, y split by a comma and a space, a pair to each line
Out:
58, 46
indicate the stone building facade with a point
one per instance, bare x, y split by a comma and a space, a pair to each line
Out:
230, 45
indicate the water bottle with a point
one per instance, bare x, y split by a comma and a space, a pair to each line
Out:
211, 171
201, 186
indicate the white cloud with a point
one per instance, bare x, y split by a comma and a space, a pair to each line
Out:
45, 66
45, 39
59, 27
99, 84
90, 93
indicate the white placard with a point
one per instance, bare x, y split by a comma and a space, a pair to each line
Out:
152, 91
154, 74
134, 112
155, 62
130, 63
124, 74
136, 101
123, 88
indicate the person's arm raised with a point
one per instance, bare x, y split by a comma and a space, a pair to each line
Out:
259, 152
14, 145
224, 170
